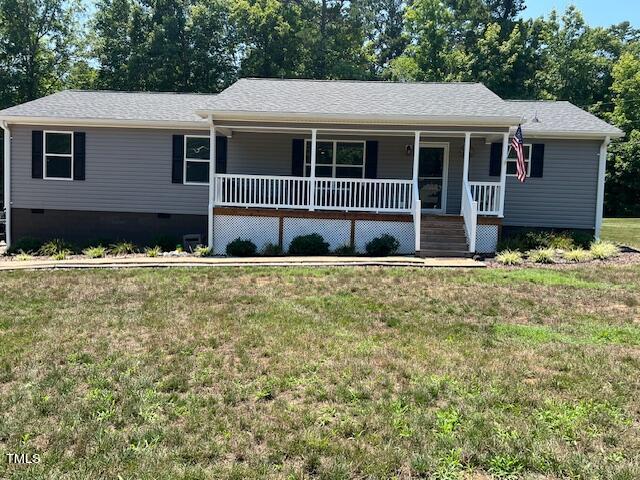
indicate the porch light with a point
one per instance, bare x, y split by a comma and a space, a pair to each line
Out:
409, 150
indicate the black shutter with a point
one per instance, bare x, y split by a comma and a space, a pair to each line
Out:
537, 160
177, 159
36, 154
495, 163
79, 154
371, 160
297, 157
221, 154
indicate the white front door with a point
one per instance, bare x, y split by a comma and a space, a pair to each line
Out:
432, 177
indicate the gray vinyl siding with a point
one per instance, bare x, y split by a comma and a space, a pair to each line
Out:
565, 196
127, 170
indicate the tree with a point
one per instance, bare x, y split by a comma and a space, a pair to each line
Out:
36, 45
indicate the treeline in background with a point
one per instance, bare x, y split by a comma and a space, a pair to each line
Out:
204, 45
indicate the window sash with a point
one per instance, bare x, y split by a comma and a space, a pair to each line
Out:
188, 160
335, 167
512, 159
51, 155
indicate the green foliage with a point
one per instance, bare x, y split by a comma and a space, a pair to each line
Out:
577, 255
55, 247
534, 239
95, 252
603, 250
23, 257
541, 255
346, 250
312, 244
202, 251
509, 257
167, 243
382, 246
153, 251
61, 255
271, 250
241, 248
122, 248
25, 245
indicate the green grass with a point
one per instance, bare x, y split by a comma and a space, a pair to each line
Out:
322, 373
625, 231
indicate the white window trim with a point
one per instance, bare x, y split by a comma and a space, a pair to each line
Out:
199, 160
44, 156
307, 163
514, 160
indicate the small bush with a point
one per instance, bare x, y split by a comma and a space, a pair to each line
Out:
312, 244
95, 252
526, 240
23, 257
55, 246
560, 241
153, 251
122, 248
61, 255
26, 245
241, 248
509, 257
272, 250
383, 246
345, 250
603, 250
541, 255
582, 239
202, 251
577, 255
167, 243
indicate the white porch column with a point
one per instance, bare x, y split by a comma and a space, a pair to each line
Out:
212, 180
465, 165
602, 168
503, 173
312, 174
7, 182
417, 208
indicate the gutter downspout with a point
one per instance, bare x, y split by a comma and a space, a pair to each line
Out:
602, 168
7, 181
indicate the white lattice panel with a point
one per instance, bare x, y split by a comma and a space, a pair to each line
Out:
334, 232
260, 230
486, 238
367, 230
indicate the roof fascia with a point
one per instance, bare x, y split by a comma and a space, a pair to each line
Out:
98, 122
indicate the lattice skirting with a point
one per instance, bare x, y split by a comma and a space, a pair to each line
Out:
486, 238
337, 232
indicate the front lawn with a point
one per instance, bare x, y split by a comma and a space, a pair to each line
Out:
625, 231
322, 373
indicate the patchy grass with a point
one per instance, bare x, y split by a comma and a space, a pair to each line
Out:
322, 373
625, 231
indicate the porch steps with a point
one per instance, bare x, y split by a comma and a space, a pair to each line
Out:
443, 237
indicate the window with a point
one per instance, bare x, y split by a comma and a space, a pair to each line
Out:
196, 160
512, 158
58, 155
337, 159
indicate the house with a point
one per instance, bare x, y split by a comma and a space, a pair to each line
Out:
429, 163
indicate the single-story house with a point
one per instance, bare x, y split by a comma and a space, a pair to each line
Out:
429, 163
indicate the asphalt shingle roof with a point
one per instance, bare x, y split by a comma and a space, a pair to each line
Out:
559, 116
355, 98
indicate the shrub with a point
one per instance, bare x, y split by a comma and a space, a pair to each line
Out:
167, 243
95, 252
312, 244
582, 239
23, 257
26, 245
345, 250
577, 255
55, 246
153, 251
202, 251
241, 248
560, 241
272, 250
509, 257
603, 250
526, 240
541, 255
61, 255
122, 248
383, 246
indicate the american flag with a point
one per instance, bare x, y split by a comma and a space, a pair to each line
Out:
518, 146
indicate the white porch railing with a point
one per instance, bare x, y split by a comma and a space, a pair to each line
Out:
470, 214
487, 194
365, 195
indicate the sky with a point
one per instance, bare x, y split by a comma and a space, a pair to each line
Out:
596, 12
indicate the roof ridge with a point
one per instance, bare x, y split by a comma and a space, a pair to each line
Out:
145, 92
388, 82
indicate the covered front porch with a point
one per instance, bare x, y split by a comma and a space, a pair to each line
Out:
385, 174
